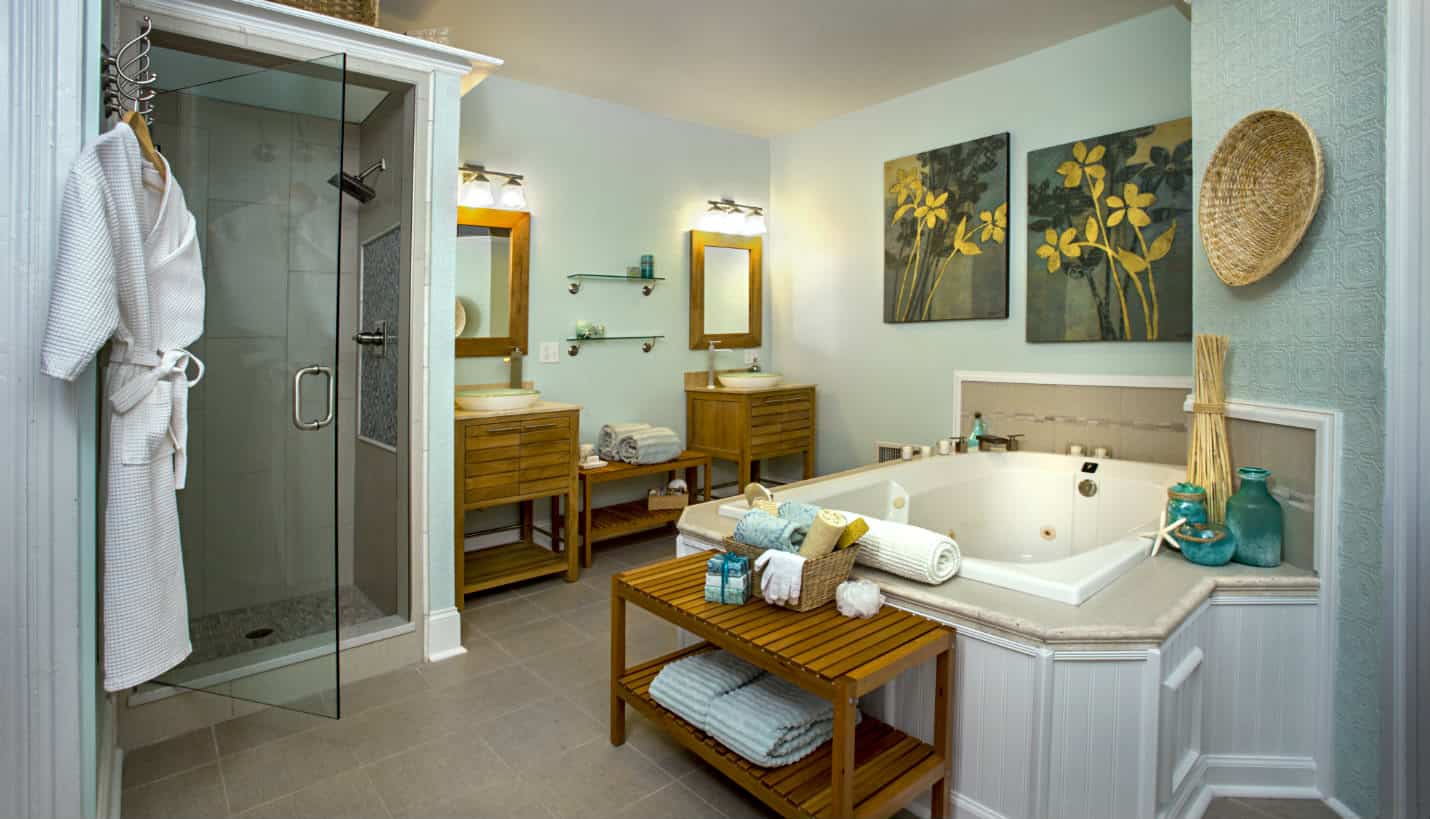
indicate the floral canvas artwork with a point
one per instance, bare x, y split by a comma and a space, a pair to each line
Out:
1110, 237
946, 233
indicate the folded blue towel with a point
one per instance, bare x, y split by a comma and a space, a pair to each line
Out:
765, 531
653, 445
690, 685
771, 721
801, 513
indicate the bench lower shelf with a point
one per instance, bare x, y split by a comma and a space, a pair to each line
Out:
890, 767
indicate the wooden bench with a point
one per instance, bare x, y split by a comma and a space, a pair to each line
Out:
869, 771
619, 519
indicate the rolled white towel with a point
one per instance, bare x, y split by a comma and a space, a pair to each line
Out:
610, 434
909, 551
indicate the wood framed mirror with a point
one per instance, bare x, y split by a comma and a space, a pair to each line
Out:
492, 280
725, 289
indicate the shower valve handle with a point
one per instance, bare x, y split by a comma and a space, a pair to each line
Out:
377, 338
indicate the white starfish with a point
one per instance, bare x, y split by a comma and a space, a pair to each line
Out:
1164, 532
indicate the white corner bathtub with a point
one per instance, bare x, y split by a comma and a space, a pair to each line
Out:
1018, 517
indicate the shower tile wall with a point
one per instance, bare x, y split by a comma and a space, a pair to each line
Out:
256, 181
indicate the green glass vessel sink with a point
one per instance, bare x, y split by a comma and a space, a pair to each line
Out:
497, 399
750, 381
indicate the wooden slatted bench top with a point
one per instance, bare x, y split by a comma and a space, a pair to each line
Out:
818, 650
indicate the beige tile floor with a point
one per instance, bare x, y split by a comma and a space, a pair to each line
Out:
514, 728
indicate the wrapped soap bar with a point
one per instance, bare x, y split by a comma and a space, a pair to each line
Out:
737, 580
715, 579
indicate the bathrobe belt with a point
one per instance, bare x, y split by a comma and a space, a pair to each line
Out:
165, 365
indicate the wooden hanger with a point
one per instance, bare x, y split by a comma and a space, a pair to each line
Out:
136, 123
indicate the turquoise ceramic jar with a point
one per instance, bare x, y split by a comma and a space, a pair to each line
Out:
1187, 500
1209, 544
1254, 518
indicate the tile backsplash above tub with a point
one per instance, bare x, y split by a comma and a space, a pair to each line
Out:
1134, 423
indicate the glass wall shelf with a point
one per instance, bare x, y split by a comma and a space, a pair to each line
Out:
574, 280
648, 341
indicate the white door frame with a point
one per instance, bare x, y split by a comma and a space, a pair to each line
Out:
1405, 712
48, 690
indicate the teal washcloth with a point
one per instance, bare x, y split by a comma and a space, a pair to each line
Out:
762, 530
771, 722
801, 513
690, 685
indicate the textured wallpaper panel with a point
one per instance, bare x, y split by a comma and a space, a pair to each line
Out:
1312, 333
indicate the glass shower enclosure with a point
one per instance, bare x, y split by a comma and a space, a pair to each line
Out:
259, 154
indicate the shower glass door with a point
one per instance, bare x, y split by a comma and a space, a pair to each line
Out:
257, 153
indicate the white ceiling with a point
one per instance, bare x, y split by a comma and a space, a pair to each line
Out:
762, 67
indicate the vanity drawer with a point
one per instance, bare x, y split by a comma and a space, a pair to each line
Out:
475, 454
532, 459
544, 433
493, 434
487, 487
552, 485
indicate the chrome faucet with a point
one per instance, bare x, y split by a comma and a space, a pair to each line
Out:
515, 360
755, 365
710, 365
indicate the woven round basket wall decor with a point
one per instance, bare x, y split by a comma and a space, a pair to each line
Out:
1260, 191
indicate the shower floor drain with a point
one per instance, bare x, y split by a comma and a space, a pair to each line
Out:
259, 633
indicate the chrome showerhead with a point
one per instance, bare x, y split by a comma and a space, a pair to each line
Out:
356, 186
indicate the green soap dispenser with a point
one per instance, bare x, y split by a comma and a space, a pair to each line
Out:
979, 429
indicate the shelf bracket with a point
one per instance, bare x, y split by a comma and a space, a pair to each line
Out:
573, 288
648, 345
574, 349
646, 289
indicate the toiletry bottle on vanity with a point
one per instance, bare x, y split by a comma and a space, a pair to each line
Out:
978, 431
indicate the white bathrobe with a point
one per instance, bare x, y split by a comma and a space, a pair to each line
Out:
129, 269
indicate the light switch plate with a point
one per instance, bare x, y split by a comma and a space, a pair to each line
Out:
550, 352
751, 355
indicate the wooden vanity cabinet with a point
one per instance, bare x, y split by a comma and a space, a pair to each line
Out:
746, 426
504, 458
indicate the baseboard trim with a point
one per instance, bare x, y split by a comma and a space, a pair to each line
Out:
1340, 808
444, 635
1246, 776
963, 807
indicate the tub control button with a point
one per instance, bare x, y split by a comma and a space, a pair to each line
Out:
1087, 487
899, 502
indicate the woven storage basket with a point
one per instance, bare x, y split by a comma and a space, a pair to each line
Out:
822, 575
358, 11
1260, 191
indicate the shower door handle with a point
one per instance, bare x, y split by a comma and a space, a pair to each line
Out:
316, 369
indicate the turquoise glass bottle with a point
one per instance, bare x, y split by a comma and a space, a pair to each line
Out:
1254, 518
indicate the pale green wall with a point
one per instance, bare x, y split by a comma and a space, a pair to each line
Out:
606, 183
826, 250
1313, 332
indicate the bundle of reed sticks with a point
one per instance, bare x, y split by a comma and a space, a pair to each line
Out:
1208, 456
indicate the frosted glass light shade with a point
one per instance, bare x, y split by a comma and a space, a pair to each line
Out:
755, 224
734, 222
713, 220
476, 193
513, 195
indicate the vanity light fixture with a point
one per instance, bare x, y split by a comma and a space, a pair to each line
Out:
729, 216
476, 190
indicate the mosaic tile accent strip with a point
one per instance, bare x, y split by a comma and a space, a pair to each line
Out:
379, 297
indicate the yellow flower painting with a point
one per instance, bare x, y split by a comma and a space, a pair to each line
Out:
1109, 239
946, 233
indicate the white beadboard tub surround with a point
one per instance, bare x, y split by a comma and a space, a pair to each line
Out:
1019, 518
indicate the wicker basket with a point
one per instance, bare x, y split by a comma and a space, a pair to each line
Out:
1260, 191
358, 11
822, 575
